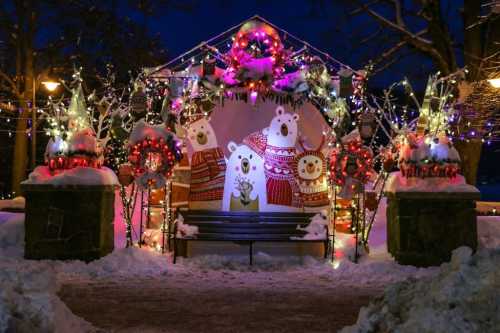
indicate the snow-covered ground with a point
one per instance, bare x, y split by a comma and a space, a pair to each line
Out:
138, 289
463, 297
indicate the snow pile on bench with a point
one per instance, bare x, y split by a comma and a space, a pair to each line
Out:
316, 229
185, 230
462, 297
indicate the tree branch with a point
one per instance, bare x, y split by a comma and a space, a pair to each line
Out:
386, 54
422, 44
11, 83
401, 29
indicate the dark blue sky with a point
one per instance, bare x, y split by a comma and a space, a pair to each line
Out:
324, 24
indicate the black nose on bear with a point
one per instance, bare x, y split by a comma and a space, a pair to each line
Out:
284, 130
245, 165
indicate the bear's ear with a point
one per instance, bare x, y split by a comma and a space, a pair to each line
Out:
280, 110
265, 131
296, 116
232, 146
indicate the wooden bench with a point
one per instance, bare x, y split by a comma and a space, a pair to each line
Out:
247, 228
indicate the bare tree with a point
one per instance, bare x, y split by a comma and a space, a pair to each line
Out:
46, 34
423, 26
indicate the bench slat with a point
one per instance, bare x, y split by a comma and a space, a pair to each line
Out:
240, 230
247, 237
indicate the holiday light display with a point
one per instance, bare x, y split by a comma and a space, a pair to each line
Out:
150, 157
352, 160
257, 54
153, 152
256, 66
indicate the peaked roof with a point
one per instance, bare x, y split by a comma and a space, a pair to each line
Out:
221, 43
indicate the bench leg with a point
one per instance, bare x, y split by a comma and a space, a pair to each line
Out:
251, 253
325, 246
175, 250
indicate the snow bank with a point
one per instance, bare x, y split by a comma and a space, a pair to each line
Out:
130, 261
398, 183
463, 297
488, 230
16, 203
28, 301
11, 235
75, 176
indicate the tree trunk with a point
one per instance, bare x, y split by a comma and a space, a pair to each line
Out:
26, 70
470, 154
473, 50
20, 159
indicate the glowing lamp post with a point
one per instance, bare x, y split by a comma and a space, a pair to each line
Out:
50, 86
495, 83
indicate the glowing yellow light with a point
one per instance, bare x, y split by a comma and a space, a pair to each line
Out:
495, 82
51, 85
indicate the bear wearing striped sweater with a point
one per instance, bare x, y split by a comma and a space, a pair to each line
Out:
283, 192
208, 167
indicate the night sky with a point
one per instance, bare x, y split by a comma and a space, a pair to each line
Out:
326, 25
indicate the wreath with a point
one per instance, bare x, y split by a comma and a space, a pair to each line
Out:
153, 160
257, 46
352, 160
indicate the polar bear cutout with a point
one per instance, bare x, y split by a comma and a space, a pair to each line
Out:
208, 167
311, 177
283, 193
245, 182
283, 130
201, 135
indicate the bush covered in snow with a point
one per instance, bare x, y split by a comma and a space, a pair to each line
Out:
28, 300
463, 297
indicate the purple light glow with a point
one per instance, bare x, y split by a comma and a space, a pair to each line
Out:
253, 96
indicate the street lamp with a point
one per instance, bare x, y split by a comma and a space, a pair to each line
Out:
495, 82
50, 86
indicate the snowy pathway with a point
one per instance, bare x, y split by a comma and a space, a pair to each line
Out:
220, 301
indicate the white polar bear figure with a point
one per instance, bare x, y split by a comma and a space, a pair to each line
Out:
245, 182
201, 135
283, 193
208, 167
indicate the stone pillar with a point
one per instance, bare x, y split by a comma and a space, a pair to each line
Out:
68, 222
424, 224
